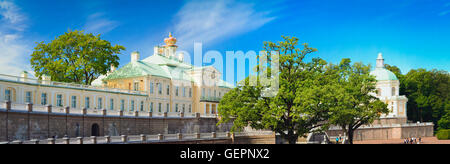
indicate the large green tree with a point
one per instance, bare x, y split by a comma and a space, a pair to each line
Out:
428, 94
75, 57
299, 107
354, 91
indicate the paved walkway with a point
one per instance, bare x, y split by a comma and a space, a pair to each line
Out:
426, 140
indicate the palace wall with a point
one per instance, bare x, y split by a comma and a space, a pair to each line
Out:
384, 132
23, 125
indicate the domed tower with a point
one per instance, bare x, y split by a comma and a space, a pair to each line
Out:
388, 87
170, 47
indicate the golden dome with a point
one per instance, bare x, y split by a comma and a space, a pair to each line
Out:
170, 41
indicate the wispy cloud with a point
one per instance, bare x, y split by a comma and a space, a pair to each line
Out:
444, 13
210, 21
11, 17
99, 23
13, 50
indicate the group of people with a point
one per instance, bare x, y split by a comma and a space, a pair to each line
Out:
412, 140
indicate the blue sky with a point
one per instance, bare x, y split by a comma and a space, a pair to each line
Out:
410, 33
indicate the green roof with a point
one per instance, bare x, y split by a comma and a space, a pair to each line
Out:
137, 69
382, 74
160, 66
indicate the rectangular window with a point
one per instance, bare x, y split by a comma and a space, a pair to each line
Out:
176, 107
159, 88
87, 103
168, 90
167, 108
100, 103
190, 92
44, 99
59, 102
136, 86
28, 97
151, 87
122, 105
176, 91
7, 95
142, 106
183, 109
151, 107
111, 104
159, 107
190, 108
132, 105
74, 102
184, 92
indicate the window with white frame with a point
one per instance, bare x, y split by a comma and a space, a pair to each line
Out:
151, 87
151, 107
28, 97
122, 105
8, 94
74, 102
159, 88
168, 90
59, 100
100, 103
159, 107
111, 104
44, 99
87, 103
190, 92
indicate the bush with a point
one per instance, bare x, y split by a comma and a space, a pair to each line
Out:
443, 134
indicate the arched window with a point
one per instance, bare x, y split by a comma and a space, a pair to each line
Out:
393, 91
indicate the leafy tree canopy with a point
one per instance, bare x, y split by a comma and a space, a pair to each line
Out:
354, 93
75, 57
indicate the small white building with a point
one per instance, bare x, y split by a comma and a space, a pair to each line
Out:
388, 87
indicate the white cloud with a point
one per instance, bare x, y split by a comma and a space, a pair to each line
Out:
13, 50
98, 23
13, 55
210, 21
11, 17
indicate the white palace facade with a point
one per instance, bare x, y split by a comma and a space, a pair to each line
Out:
162, 84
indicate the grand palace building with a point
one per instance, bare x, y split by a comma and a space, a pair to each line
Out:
162, 84
155, 93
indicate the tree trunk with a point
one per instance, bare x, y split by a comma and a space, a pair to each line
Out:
350, 136
292, 139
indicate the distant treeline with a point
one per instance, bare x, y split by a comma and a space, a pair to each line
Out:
428, 94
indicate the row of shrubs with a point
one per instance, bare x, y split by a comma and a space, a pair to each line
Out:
443, 134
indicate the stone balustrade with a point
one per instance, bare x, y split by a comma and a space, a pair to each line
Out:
29, 107
124, 139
